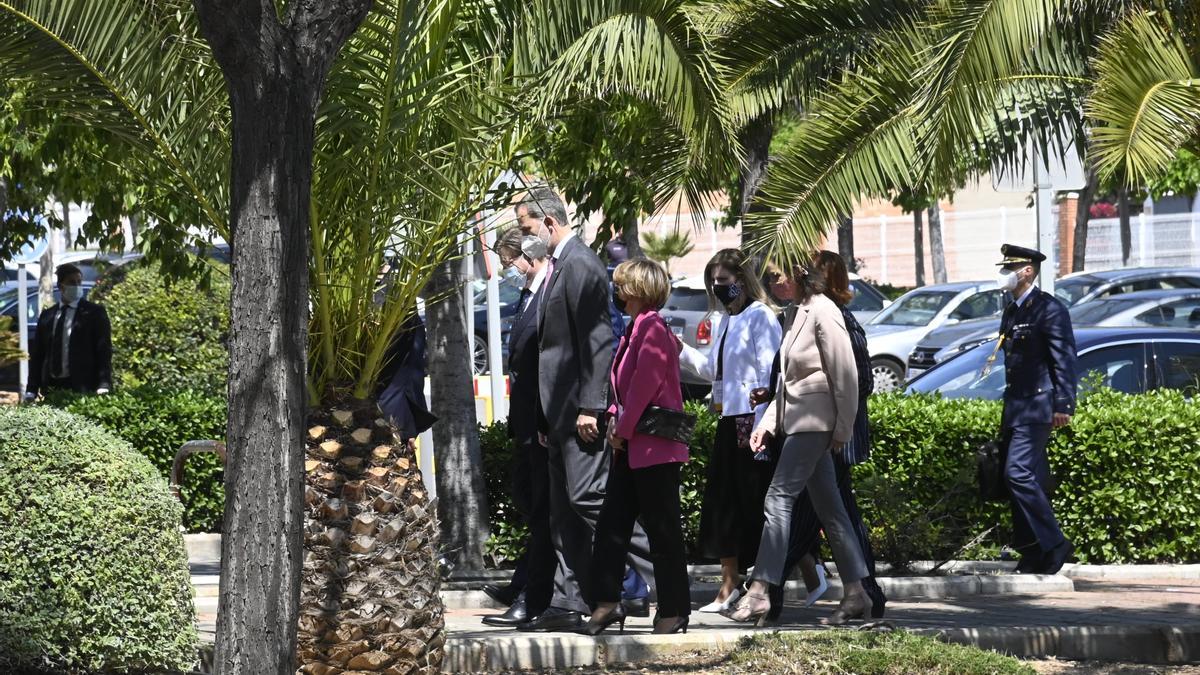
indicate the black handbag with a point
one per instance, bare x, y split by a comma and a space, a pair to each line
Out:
673, 425
993, 486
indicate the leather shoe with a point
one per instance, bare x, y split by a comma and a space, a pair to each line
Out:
505, 595
553, 620
636, 606
1055, 558
516, 614
1030, 563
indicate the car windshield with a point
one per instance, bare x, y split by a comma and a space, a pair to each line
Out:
915, 309
1090, 313
866, 298
963, 376
510, 290
1071, 290
687, 300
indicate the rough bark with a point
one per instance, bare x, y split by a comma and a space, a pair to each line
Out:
755, 140
632, 238
845, 236
46, 278
1083, 215
1126, 232
462, 499
936, 249
274, 72
918, 248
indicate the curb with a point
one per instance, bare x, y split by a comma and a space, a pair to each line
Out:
1135, 643
1127, 572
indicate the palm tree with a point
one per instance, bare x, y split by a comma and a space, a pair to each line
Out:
667, 247
426, 105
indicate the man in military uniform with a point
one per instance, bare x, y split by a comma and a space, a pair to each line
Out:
1039, 358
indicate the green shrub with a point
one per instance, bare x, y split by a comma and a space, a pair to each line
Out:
171, 337
156, 424
93, 573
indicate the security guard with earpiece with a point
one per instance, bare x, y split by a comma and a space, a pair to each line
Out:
1039, 363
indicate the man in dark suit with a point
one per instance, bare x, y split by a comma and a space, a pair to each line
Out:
401, 391
73, 346
1039, 363
575, 343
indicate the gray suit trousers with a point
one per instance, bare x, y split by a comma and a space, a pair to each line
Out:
805, 461
578, 481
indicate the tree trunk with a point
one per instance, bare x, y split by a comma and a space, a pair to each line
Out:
631, 236
462, 499
936, 249
46, 278
755, 140
1126, 233
918, 248
1083, 214
274, 72
845, 236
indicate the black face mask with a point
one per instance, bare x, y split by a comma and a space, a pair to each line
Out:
728, 294
618, 301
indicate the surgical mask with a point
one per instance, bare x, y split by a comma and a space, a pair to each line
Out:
1007, 280
618, 301
728, 294
72, 294
514, 275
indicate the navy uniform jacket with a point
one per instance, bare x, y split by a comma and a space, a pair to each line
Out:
1039, 360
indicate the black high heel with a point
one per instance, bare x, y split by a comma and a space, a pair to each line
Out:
594, 628
680, 626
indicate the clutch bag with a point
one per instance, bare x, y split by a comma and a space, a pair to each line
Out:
673, 425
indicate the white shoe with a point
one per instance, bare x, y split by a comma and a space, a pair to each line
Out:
815, 594
716, 607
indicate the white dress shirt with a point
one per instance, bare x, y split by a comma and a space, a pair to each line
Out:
1025, 296
751, 339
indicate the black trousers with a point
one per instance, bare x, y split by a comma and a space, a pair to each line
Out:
652, 493
731, 516
805, 537
1028, 473
531, 495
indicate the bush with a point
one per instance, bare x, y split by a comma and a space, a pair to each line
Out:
156, 424
93, 573
1126, 471
867, 653
171, 337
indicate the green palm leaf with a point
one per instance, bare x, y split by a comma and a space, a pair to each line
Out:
1146, 104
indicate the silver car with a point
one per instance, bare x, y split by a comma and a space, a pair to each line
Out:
893, 333
1073, 289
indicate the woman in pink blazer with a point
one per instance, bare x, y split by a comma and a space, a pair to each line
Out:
644, 479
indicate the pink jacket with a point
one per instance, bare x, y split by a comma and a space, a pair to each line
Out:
645, 372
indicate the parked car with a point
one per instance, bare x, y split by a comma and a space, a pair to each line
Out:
510, 295
867, 301
1131, 360
688, 316
893, 332
1073, 289
1175, 308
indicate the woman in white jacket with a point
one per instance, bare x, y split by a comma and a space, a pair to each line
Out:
731, 518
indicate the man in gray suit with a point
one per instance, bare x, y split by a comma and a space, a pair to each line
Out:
576, 349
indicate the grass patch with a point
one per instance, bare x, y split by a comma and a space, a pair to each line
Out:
867, 653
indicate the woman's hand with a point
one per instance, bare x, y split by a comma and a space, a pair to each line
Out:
759, 396
759, 440
837, 446
615, 441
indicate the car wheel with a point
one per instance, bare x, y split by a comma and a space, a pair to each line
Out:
888, 375
481, 355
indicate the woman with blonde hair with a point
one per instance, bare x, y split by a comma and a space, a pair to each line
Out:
731, 515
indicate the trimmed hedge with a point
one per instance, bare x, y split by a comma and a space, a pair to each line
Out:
156, 423
93, 572
1126, 470
168, 336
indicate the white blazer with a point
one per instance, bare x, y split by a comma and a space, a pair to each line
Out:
752, 339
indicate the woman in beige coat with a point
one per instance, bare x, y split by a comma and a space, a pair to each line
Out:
814, 408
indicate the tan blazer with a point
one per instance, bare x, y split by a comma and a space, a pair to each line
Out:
818, 386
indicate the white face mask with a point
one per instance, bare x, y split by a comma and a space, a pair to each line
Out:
72, 294
1007, 280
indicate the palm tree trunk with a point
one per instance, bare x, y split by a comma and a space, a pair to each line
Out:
755, 139
918, 248
845, 235
1126, 233
631, 236
937, 250
462, 499
274, 73
1083, 215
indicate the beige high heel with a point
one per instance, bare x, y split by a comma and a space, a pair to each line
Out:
752, 607
853, 607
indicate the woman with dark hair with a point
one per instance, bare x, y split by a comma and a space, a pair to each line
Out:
805, 545
731, 515
814, 408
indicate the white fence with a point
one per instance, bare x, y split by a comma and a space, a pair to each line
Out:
1156, 241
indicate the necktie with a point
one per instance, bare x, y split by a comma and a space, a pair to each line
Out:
522, 305
546, 281
56, 358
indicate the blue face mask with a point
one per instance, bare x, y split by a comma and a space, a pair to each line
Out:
513, 275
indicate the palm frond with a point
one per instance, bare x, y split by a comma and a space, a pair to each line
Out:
1146, 103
